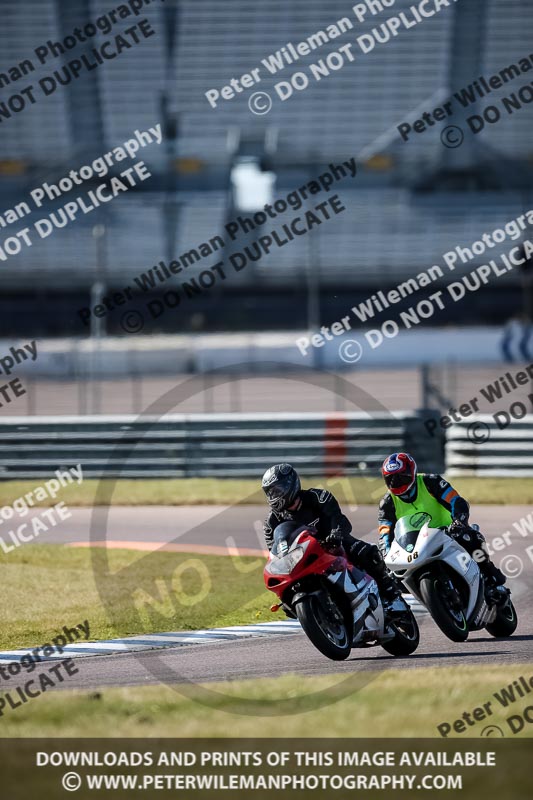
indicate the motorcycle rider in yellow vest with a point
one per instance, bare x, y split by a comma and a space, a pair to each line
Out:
409, 492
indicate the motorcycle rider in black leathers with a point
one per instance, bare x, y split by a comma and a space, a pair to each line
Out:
318, 509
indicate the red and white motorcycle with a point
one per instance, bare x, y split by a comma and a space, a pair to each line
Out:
337, 604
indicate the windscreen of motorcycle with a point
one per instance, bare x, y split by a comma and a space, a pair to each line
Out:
284, 536
407, 529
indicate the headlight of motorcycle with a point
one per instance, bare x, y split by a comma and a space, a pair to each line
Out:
285, 565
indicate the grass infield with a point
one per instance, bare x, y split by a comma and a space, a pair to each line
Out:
49, 586
232, 491
397, 703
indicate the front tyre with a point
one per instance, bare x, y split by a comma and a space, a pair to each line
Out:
323, 623
435, 590
505, 622
406, 635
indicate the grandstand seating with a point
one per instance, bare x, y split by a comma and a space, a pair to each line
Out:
384, 236
509, 27
341, 114
216, 41
41, 132
387, 232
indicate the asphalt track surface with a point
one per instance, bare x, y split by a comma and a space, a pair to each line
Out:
274, 656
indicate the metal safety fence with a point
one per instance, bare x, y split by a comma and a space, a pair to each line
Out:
211, 445
482, 446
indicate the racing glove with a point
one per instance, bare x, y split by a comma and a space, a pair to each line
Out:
334, 539
384, 544
457, 527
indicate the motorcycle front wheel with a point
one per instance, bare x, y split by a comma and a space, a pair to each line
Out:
434, 589
324, 625
406, 636
505, 622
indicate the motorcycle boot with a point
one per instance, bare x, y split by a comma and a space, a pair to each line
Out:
494, 577
371, 560
499, 594
474, 543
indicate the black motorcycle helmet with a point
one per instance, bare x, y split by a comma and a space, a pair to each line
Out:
281, 484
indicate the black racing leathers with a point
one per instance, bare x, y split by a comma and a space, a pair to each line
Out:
320, 510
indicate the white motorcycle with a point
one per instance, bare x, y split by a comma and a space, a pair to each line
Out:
444, 577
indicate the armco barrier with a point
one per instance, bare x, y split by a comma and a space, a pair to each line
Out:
207, 445
478, 446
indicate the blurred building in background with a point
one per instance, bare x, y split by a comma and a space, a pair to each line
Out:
410, 203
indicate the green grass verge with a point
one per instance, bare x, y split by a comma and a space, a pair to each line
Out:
397, 703
48, 586
209, 491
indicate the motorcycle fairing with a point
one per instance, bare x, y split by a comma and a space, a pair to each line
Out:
434, 544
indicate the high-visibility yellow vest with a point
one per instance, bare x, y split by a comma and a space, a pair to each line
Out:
424, 501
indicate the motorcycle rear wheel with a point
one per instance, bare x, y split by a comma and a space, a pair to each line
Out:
452, 623
323, 627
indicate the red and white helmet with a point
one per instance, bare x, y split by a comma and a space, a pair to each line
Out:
399, 473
